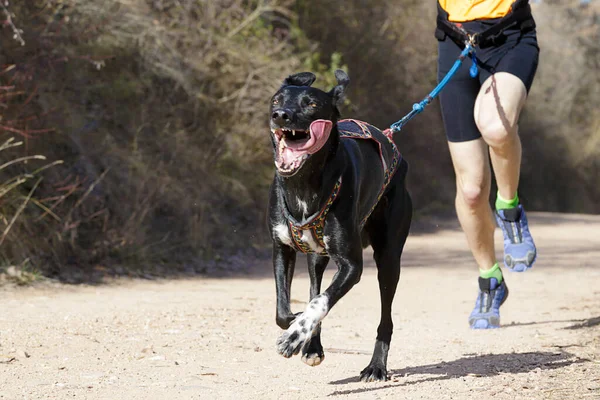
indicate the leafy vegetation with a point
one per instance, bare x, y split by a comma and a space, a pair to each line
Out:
151, 119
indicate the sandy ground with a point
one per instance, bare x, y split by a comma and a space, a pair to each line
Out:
215, 338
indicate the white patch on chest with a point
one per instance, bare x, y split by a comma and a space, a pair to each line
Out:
326, 241
283, 233
303, 206
308, 238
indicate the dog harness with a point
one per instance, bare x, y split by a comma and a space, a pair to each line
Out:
348, 129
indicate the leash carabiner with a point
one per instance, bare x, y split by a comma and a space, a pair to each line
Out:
472, 39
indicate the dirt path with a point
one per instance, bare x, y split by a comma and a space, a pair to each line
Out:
214, 338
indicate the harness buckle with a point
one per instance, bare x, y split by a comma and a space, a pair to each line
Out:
472, 39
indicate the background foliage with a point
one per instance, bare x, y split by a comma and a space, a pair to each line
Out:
142, 123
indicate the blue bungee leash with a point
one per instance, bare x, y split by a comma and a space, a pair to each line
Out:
419, 107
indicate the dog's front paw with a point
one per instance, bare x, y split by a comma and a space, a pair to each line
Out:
301, 330
313, 359
312, 352
374, 373
292, 340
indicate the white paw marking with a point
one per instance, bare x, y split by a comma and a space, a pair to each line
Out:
316, 310
309, 239
283, 233
301, 331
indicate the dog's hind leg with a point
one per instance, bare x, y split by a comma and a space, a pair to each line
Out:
312, 352
388, 232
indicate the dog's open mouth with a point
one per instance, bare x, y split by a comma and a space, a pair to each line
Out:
294, 146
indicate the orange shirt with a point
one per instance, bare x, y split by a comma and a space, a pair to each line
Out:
469, 10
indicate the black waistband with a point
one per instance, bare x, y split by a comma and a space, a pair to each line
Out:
519, 17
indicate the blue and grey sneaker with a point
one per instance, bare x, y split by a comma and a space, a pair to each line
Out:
486, 314
519, 249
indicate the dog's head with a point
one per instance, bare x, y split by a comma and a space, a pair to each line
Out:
302, 118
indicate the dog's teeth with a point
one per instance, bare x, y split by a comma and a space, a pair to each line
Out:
294, 132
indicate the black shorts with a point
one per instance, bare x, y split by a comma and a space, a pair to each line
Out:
516, 53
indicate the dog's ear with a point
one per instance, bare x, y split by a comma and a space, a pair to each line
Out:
300, 79
338, 92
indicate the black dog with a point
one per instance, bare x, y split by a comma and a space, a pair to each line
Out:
339, 186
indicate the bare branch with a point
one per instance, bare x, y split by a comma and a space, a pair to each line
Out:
16, 31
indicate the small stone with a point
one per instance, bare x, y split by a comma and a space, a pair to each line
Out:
22, 354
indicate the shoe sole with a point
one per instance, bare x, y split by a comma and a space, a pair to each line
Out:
491, 322
518, 266
487, 322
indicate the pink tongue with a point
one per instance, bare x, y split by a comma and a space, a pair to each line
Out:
319, 133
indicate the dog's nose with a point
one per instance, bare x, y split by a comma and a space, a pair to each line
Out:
281, 117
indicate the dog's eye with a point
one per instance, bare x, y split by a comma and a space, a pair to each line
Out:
313, 105
275, 101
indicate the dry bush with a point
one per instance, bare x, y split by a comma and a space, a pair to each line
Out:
159, 111
17, 189
21, 172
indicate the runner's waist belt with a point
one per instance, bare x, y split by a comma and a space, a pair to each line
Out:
520, 17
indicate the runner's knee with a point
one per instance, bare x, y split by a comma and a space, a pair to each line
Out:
473, 194
495, 130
